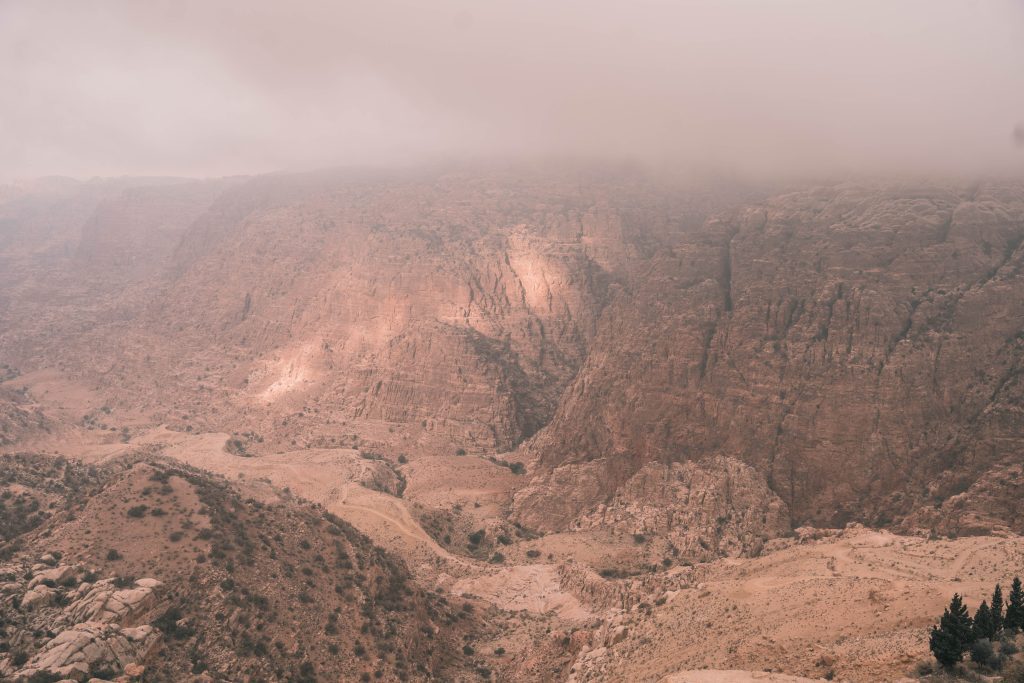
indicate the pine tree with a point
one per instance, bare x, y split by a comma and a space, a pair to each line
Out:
1015, 607
960, 621
953, 635
984, 628
945, 646
997, 609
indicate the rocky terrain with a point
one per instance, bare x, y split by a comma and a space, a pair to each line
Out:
149, 569
611, 413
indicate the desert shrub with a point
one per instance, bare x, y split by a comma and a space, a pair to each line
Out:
533, 553
168, 623
460, 451
497, 558
1014, 673
468, 650
639, 538
102, 671
137, 511
982, 652
113, 555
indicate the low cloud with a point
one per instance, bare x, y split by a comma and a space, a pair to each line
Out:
205, 87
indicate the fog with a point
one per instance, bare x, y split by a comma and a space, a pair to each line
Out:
204, 87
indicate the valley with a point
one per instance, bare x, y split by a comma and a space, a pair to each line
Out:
647, 429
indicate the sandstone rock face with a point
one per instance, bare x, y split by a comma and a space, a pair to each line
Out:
56, 575
99, 625
597, 592
991, 503
104, 603
707, 509
855, 345
860, 346
74, 652
40, 595
405, 302
714, 508
455, 305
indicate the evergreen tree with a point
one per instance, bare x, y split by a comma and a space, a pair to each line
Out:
997, 609
1015, 607
945, 646
984, 628
953, 635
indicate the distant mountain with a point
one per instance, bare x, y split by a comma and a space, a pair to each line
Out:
856, 347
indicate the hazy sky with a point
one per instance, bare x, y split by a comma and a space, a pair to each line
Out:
207, 87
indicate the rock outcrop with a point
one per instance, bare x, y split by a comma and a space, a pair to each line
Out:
104, 602
92, 626
86, 647
707, 509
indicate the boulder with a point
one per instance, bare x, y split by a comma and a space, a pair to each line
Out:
106, 603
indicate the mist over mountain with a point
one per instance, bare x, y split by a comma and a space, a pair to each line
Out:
583, 342
212, 88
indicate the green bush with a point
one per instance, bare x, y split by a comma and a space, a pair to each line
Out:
982, 652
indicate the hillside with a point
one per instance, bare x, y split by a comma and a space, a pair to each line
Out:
146, 565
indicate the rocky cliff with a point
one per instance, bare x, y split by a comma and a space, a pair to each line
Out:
861, 347
857, 347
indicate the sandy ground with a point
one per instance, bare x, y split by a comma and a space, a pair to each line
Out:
858, 605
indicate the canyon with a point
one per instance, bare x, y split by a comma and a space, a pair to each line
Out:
606, 409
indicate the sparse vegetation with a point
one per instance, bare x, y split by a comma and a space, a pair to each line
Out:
981, 637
